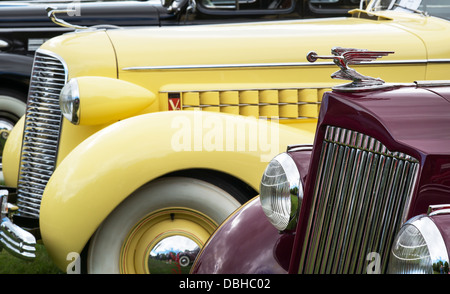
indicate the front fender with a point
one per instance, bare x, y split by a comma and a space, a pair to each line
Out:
111, 164
231, 251
11, 154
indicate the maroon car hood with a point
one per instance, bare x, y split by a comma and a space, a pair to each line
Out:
417, 119
412, 120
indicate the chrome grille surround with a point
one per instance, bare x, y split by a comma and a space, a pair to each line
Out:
361, 196
43, 120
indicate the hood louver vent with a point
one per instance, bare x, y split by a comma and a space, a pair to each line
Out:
300, 103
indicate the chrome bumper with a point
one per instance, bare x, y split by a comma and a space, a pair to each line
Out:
13, 238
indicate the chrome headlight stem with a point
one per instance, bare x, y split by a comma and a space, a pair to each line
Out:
281, 192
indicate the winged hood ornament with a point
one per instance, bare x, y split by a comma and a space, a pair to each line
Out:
343, 57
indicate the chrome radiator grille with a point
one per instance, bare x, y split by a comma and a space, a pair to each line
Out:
360, 199
41, 132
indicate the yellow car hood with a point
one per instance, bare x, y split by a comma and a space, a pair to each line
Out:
280, 42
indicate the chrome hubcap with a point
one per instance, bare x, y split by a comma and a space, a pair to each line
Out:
166, 242
173, 254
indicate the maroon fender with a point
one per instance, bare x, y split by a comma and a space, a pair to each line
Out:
231, 250
247, 243
443, 224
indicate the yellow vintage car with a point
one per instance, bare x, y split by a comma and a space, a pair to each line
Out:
138, 143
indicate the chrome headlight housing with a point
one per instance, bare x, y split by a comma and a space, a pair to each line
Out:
419, 248
69, 101
281, 192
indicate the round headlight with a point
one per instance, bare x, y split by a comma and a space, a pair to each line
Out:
419, 248
281, 192
69, 101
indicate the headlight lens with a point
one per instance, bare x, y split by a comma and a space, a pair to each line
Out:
69, 101
281, 192
418, 248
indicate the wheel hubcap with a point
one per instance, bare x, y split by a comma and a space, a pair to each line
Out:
166, 241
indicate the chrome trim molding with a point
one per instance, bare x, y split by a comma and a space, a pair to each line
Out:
299, 147
438, 209
286, 64
212, 66
433, 83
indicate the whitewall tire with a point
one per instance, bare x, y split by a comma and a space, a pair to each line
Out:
165, 209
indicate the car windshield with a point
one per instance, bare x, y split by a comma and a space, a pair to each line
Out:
438, 8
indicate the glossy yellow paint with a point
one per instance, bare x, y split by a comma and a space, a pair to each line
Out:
11, 154
253, 47
98, 56
78, 197
113, 101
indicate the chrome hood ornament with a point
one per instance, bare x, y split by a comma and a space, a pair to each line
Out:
343, 57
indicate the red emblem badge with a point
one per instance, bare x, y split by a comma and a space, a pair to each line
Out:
174, 103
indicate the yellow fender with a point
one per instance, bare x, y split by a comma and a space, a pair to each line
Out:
111, 164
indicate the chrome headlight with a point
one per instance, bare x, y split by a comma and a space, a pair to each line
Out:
419, 248
69, 101
281, 192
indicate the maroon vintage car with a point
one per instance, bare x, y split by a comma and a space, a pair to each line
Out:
370, 196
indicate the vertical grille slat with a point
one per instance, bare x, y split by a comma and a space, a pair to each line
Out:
41, 131
360, 198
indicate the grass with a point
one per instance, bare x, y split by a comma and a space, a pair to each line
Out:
164, 267
41, 265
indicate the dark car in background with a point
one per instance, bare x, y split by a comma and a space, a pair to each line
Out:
371, 195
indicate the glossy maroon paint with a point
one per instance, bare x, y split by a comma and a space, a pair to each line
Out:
412, 120
236, 251
415, 121
442, 222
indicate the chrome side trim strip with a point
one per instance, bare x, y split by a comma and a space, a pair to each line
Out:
286, 64
210, 66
